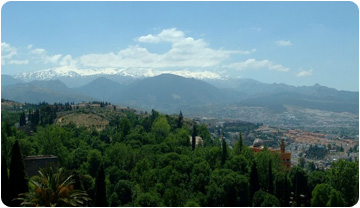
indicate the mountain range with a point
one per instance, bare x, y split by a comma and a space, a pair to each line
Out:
170, 93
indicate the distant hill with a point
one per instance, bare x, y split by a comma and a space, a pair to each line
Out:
276, 96
102, 89
39, 91
9, 80
171, 92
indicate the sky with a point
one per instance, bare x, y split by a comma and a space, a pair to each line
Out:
296, 43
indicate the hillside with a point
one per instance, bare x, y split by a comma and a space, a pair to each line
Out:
101, 89
88, 120
171, 93
9, 80
40, 91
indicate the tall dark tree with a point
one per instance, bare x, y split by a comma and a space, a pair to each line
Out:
238, 145
240, 142
224, 152
193, 139
4, 181
100, 188
180, 120
254, 181
271, 181
298, 179
22, 119
37, 117
17, 180
286, 191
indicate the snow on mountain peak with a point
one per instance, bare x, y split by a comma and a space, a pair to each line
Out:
55, 73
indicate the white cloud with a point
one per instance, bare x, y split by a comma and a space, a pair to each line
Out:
148, 39
52, 59
44, 58
185, 52
166, 35
7, 52
67, 60
284, 43
38, 51
304, 73
19, 62
254, 64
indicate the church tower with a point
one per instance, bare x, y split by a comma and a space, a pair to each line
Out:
282, 146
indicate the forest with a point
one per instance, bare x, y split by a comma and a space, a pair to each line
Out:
152, 159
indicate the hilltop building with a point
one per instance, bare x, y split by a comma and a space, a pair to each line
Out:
285, 157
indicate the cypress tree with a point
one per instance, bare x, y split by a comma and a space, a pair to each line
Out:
271, 182
240, 142
22, 119
238, 145
224, 152
286, 191
254, 182
17, 180
37, 117
100, 188
193, 139
180, 120
4, 181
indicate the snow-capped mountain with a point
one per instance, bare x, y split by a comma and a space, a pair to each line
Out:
65, 73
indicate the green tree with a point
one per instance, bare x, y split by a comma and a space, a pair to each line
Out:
193, 138
224, 152
239, 145
254, 181
298, 178
314, 178
191, 204
125, 127
161, 128
286, 200
53, 189
335, 199
94, 161
100, 188
180, 121
17, 180
271, 181
227, 188
22, 119
213, 157
200, 176
320, 195
4, 181
282, 188
263, 159
344, 176
123, 188
238, 164
148, 200
258, 198
270, 201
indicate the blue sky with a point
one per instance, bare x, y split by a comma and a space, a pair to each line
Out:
296, 43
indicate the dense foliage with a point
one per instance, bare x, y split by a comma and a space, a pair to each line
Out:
149, 160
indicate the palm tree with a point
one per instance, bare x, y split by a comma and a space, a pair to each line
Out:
53, 189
